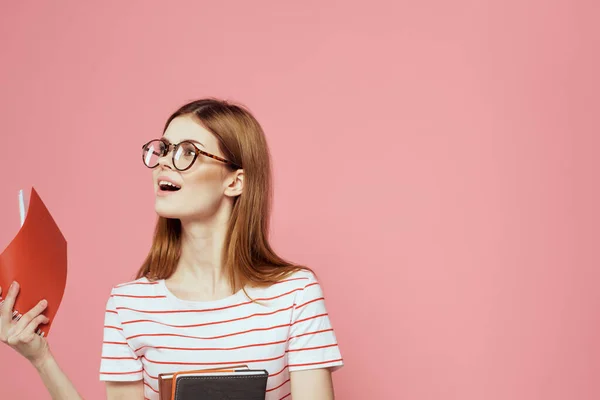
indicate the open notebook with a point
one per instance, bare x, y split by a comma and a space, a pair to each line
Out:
37, 259
236, 382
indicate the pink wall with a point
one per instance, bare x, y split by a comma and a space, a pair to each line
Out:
435, 162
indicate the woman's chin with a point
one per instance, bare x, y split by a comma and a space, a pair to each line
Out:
167, 212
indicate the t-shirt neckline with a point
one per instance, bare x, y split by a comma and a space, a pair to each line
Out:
225, 301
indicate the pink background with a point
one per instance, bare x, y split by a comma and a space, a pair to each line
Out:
435, 162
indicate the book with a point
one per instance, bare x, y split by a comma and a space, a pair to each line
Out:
37, 259
234, 382
165, 380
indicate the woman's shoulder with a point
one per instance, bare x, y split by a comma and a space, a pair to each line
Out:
303, 273
299, 279
292, 283
139, 287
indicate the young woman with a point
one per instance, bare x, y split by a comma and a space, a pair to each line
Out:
211, 291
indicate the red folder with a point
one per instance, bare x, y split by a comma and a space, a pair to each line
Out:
37, 259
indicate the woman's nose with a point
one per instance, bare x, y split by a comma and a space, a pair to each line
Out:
166, 161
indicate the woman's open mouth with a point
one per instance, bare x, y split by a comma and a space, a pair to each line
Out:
165, 186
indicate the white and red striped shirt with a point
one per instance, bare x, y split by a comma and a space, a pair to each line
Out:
148, 331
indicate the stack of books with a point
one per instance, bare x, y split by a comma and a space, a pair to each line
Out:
236, 382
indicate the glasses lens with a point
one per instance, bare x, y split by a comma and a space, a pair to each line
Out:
185, 155
152, 152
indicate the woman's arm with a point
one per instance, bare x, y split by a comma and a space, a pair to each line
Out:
58, 384
20, 335
312, 384
125, 390
60, 387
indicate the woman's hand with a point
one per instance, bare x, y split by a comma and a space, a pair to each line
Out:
20, 335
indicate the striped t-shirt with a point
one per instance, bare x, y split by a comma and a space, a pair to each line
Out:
148, 331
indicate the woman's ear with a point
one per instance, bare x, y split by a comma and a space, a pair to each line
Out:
235, 183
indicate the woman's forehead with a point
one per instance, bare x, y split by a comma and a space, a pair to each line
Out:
187, 128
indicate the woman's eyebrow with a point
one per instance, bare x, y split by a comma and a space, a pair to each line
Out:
185, 140
194, 141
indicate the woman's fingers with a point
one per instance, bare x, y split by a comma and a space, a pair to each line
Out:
32, 328
29, 332
6, 311
1, 323
27, 318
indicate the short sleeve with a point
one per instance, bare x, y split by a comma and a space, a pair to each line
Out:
119, 361
312, 342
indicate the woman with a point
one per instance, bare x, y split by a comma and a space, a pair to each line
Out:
211, 291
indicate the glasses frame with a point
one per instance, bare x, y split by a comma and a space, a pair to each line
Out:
175, 146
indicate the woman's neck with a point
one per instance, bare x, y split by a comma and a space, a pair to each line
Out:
200, 268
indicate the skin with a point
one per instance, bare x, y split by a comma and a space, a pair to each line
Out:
203, 205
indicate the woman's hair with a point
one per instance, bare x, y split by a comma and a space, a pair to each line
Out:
247, 255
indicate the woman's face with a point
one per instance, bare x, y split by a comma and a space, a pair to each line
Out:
203, 187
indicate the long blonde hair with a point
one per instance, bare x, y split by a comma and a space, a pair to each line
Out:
247, 254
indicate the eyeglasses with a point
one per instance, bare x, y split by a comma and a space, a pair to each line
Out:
184, 154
